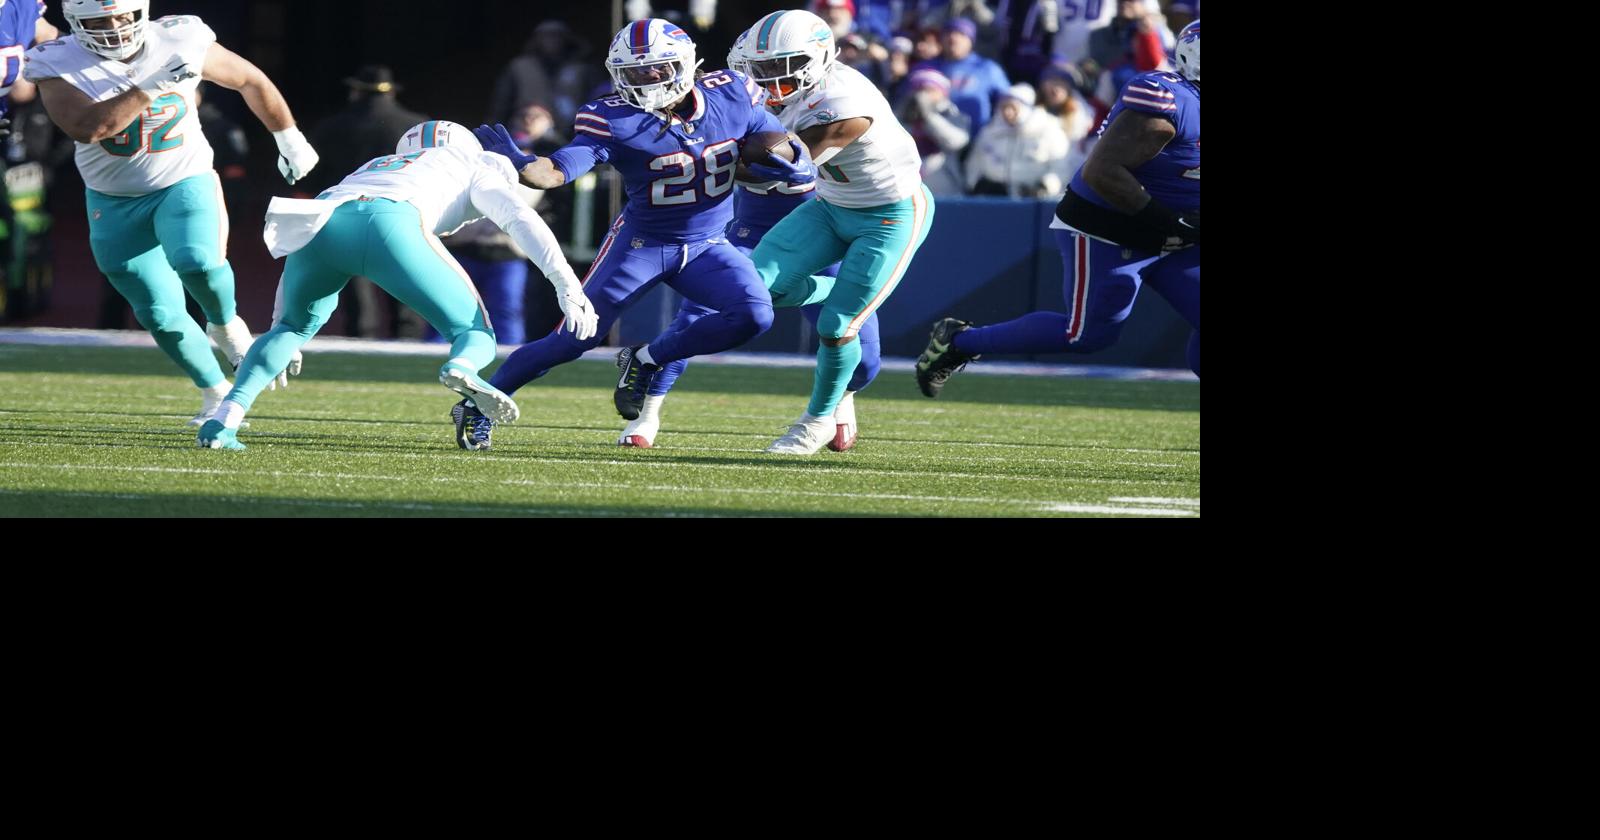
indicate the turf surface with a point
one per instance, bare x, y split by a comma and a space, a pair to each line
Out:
99, 432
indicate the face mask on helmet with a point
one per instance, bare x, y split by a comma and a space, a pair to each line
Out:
655, 85
118, 35
780, 77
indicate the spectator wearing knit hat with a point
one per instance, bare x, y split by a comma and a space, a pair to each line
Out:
938, 127
975, 81
1022, 153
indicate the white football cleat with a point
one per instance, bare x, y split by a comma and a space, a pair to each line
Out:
232, 338
805, 436
844, 424
494, 403
640, 432
211, 400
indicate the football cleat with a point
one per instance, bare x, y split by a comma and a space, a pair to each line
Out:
844, 424
640, 433
634, 383
804, 437
494, 403
214, 435
473, 430
941, 358
210, 400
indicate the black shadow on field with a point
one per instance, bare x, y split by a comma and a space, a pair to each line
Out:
75, 504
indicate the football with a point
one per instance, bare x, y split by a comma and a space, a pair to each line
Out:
755, 149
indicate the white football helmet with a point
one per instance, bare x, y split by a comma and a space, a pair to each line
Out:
1189, 52
652, 63
116, 44
787, 53
435, 133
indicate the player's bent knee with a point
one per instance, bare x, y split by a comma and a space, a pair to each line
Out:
760, 314
749, 319
836, 342
158, 318
191, 259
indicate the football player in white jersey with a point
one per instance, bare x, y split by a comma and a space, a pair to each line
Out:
122, 86
384, 221
871, 214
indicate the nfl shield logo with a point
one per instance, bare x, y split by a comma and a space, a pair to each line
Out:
637, 242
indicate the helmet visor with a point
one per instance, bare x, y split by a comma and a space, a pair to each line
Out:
660, 72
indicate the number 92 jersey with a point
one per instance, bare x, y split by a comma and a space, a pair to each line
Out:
163, 145
678, 180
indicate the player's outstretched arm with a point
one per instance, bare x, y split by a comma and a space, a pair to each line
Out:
537, 172
226, 68
495, 198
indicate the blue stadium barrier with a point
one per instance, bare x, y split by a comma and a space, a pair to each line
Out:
986, 260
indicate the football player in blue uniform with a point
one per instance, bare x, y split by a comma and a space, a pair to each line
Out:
1131, 216
756, 208
21, 23
675, 139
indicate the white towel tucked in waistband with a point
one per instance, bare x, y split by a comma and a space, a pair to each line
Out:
293, 222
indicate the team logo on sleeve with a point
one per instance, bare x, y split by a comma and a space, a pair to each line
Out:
826, 116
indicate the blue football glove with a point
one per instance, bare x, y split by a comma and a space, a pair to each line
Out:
802, 171
499, 141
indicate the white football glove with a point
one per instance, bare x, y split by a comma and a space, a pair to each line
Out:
295, 155
173, 73
581, 317
283, 376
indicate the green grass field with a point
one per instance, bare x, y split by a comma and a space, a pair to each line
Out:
99, 432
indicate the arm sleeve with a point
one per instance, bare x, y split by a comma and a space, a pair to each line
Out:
493, 197
581, 155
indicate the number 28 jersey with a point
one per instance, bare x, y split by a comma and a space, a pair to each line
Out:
678, 177
163, 145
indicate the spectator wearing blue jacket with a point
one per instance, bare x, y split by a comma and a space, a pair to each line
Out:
975, 81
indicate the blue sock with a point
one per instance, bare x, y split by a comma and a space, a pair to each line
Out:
1036, 332
531, 361
665, 377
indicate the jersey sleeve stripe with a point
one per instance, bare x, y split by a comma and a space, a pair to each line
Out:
595, 131
596, 117
1161, 106
1153, 90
